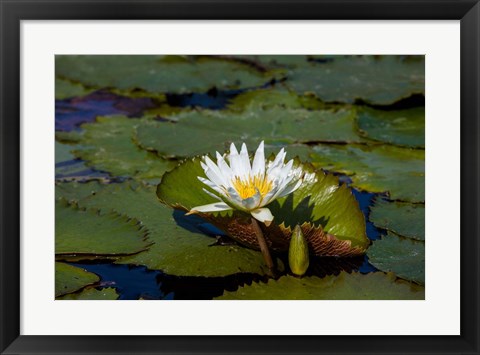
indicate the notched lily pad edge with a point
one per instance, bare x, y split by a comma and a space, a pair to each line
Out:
113, 213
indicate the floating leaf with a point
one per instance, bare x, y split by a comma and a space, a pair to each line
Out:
180, 246
65, 89
91, 293
203, 131
329, 215
63, 152
405, 127
67, 167
108, 145
157, 74
402, 256
355, 286
263, 99
380, 80
80, 231
70, 279
405, 219
380, 168
75, 191
272, 61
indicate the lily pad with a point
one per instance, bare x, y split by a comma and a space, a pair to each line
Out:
108, 145
402, 218
402, 256
68, 168
201, 132
73, 192
79, 231
328, 213
265, 98
70, 279
65, 89
157, 74
277, 96
380, 80
273, 61
355, 286
180, 245
380, 168
63, 152
91, 293
404, 128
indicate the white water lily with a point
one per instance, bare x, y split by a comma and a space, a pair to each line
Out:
244, 186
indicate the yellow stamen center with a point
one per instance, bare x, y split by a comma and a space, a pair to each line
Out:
248, 188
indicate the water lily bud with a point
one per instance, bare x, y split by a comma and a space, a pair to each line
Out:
298, 255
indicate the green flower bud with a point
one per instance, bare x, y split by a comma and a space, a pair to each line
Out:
298, 255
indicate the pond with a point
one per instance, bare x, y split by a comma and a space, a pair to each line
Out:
355, 123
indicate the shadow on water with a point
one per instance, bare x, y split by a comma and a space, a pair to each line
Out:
213, 99
195, 224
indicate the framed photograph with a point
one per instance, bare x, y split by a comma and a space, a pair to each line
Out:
238, 177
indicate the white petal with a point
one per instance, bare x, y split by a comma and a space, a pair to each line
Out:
278, 160
212, 175
234, 197
233, 149
215, 169
245, 160
213, 207
211, 185
284, 184
252, 202
258, 166
290, 189
212, 195
235, 161
224, 168
263, 215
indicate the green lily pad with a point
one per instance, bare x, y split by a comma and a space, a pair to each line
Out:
274, 61
403, 256
265, 98
108, 145
68, 138
63, 152
278, 96
404, 128
80, 231
380, 168
91, 293
73, 192
158, 74
176, 250
65, 89
355, 286
329, 214
201, 132
402, 218
69, 279
380, 80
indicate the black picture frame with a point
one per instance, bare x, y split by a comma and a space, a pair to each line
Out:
14, 11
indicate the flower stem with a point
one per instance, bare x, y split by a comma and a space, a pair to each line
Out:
263, 246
